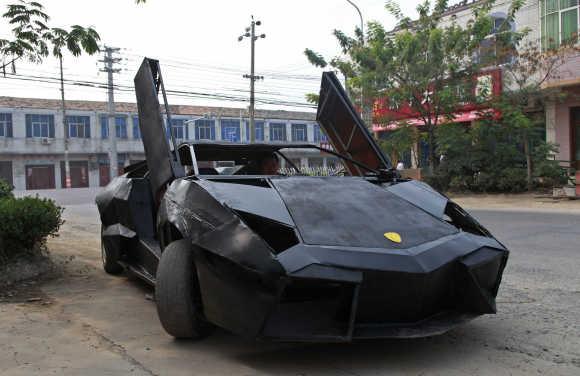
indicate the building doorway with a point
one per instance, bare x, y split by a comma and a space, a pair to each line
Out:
40, 177
6, 172
79, 174
104, 173
575, 137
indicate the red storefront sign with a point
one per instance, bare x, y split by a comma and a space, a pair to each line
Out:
490, 81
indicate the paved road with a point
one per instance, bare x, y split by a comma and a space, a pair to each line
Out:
89, 323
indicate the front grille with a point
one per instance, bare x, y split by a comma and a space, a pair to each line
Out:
312, 308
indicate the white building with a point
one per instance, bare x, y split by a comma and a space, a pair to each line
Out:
32, 137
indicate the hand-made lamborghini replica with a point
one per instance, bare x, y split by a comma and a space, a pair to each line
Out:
296, 258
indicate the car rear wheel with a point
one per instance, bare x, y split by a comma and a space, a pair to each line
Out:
177, 293
109, 257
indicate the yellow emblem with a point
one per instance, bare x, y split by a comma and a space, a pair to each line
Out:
393, 236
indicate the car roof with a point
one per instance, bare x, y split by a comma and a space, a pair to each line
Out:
234, 151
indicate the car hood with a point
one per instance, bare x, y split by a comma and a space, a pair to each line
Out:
337, 211
352, 212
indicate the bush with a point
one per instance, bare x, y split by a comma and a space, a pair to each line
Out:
512, 180
25, 224
549, 174
5, 190
490, 156
438, 180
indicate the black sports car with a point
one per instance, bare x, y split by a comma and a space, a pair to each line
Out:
365, 254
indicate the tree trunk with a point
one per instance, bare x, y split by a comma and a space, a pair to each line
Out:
528, 154
433, 161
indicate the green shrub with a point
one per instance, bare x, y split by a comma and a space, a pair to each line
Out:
438, 180
5, 190
25, 224
490, 156
548, 174
512, 180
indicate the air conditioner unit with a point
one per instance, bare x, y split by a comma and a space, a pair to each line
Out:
45, 141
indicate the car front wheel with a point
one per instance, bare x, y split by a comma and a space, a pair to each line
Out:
177, 293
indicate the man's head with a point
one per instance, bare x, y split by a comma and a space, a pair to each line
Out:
269, 164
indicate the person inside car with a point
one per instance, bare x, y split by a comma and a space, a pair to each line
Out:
265, 164
269, 164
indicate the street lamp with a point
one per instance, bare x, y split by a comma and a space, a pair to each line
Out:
363, 42
361, 18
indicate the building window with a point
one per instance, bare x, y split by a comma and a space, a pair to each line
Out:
299, 132
259, 128
319, 135
6, 125
39, 126
205, 129
136, 129
559, 22
179, 129
78, 126
120, 126
277, 132
231, 130
497, 47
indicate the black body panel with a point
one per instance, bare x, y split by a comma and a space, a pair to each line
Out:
160, 160
345, 129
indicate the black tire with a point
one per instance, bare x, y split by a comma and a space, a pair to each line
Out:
177, 293
110, 258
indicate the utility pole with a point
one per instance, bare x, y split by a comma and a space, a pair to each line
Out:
67, 182
108, 61
251, 33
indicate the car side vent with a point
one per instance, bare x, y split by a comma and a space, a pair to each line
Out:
278, 236
463, 221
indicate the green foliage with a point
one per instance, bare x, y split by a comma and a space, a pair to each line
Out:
28, 22
5, 190
32, 37
490, 156
25, 224
421, 63
312, 98
77, 40
399, 141
315, 59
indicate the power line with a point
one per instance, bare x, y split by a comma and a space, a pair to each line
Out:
177, 93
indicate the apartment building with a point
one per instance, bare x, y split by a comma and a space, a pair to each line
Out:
32, 141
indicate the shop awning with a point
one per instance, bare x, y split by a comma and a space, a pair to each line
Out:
460, 117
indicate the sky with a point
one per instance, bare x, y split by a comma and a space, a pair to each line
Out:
197, 45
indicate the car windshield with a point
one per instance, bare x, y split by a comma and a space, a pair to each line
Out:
311, 164
231, 159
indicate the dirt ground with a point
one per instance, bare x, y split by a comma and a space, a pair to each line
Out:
85, 322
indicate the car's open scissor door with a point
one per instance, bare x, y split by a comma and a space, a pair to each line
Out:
163, 164
345, 129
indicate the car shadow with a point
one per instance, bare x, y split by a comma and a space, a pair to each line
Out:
450, 350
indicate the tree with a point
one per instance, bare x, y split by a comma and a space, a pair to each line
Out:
32, 38
422, 64
77, 40
29, 27
399, 141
